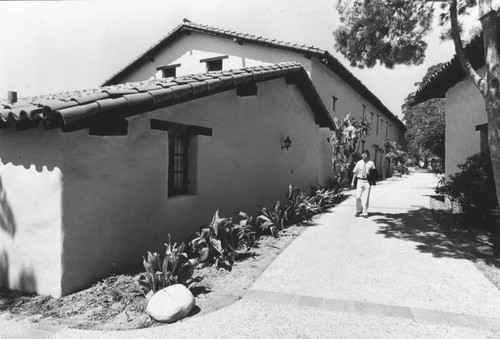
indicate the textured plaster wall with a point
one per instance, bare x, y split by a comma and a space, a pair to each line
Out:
464, 111
329, 84
243, 164
114, 202
190, 49
115, 192
31, 210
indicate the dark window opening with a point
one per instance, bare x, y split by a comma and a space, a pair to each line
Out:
483, 135
364, 110
182, 154
214, 64
178, 181
377, 123
169, 71
334, 102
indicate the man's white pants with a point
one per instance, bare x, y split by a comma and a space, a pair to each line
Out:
362, 196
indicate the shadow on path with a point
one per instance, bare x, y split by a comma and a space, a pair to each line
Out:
417, 226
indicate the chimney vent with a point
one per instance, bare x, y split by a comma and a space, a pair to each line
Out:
12, 97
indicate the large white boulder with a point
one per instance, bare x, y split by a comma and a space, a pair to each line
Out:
171, 303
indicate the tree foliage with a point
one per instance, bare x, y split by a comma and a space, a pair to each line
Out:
425, 124
346, 146
425, 128
389, 31
392, 32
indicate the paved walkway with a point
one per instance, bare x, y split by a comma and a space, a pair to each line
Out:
391, 275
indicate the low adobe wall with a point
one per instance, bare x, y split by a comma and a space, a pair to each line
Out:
30, 211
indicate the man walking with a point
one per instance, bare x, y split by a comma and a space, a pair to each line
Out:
363, 169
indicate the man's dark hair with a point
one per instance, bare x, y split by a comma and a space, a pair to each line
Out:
367, 152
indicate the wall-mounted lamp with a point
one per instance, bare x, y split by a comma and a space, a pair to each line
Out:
287, 143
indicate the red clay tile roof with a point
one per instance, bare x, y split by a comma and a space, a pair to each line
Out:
450, 73
77, 107
324, 56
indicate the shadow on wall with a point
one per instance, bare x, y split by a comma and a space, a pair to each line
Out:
7, 221
4, 269
418, 226
26, 281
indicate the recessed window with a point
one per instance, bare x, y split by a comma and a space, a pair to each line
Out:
377, 122
178, 180
364, 109
483, 138
169, 71
386, 129
371, 118
182, 154
214, 64
334, 102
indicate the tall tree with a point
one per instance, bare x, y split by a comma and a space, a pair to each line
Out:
425, 123
425, 128
393, 31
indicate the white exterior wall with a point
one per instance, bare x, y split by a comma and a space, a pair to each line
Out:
103, 201
118, 193
31, 210
190, 49
464, 110
329, 84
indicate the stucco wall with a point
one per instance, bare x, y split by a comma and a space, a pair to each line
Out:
116, 204
114, 201
190, 49
30, 210
464, 110
329, 84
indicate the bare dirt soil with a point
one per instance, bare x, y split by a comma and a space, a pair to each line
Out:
119, 303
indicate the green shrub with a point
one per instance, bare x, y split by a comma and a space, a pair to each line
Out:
399, 170
272, 220
324, 198
222, 241
175, 268
299, 207
472, 190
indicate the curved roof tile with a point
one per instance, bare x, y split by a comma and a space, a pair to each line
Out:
324, 56
78, 106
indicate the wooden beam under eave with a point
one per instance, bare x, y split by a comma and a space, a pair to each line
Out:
247, 90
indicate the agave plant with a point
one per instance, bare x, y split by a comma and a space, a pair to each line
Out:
324, 198
222, 241
175, 268
273, 219
299, 208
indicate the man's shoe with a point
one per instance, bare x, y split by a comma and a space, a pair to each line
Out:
365, 215
357, 214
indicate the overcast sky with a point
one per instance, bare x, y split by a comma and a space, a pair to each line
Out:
66, 45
